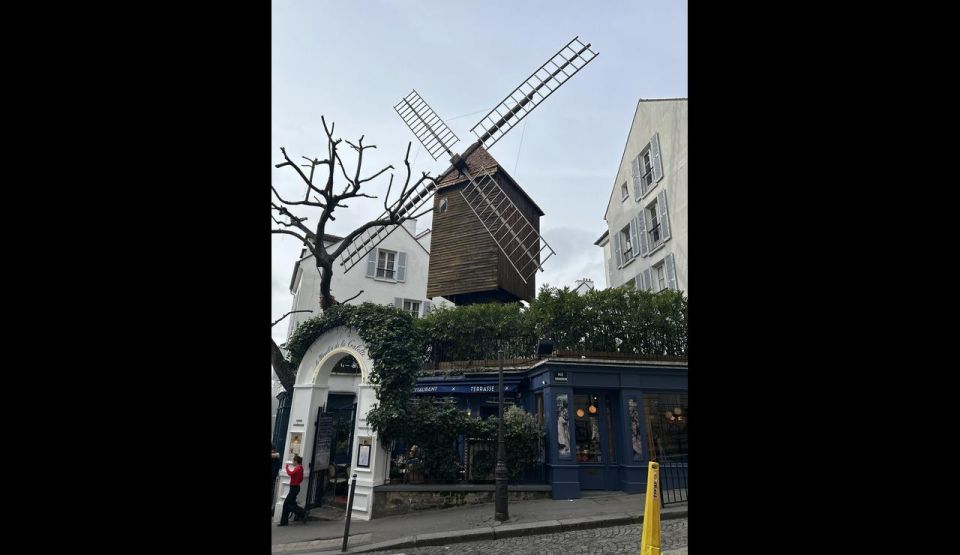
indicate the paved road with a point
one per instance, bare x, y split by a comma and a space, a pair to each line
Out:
613, 539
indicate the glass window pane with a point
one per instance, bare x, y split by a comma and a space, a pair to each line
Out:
587, 423
666, 416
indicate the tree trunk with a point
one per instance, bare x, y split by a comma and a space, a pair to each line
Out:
284, 369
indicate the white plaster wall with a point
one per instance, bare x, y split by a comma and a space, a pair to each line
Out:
379, 291
669, 118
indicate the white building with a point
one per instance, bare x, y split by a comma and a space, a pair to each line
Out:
394, 273
646, 241
584, 286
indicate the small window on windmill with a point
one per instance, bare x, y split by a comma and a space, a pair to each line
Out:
443, 205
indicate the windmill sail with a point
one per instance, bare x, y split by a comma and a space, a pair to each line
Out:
535, 89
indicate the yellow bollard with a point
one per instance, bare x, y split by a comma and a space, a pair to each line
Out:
650, 539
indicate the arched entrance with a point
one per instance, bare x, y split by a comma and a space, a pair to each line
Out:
333, 375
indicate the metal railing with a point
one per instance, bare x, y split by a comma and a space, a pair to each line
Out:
673, 479
480, 351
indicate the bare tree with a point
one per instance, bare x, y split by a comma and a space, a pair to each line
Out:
326, 200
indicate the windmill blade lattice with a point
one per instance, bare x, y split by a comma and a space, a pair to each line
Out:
535, 89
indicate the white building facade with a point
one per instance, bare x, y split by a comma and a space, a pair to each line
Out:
394, 273
645, 245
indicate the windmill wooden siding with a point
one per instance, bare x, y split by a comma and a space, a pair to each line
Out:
466, 265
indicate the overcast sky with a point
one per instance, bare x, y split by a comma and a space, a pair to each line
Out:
352, 61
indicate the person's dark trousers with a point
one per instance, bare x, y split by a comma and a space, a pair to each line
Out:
290, 506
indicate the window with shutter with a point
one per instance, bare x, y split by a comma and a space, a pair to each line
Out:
657, 167
660, 278
635, 173
401, 266
663, 215
642, 231
671, 272
647, 283
616, 249
626, 244
411, 306
386, 264
372, 264
654, 233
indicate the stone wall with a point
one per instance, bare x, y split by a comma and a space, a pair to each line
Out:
389, 501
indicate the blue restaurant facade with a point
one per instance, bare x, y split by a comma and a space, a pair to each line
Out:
605, 419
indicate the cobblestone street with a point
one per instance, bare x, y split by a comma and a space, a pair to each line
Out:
613, 539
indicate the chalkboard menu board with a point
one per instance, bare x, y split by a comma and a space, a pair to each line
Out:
321, 449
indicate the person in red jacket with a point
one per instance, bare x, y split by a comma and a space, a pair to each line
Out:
290, 503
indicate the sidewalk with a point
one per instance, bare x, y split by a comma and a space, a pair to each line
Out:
469, 523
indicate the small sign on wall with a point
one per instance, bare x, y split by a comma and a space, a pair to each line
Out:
560, 376
363, 453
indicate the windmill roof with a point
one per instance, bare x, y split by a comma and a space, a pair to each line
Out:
479, 161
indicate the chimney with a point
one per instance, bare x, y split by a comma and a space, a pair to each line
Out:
411, 226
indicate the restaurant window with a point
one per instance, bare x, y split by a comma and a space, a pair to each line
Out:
666, 416
587, 422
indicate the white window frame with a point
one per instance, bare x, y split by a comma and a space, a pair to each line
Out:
414, 311
624, 192
659, 270
625, 232
442, 205
385, 269
646, 157
653, 246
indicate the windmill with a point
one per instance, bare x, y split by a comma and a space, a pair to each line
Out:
486, 241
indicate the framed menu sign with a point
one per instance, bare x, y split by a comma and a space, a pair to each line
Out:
321, 450
363, 457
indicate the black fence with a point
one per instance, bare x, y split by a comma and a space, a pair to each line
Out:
673, 479
476, 465
480, 351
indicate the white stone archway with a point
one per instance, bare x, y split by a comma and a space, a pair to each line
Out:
315, 381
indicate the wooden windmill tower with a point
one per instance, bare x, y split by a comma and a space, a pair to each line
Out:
486, 243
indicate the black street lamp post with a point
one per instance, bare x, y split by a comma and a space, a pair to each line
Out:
500, 474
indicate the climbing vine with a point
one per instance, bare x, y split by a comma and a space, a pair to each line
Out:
394, 344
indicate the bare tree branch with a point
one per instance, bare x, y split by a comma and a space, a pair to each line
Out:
318, 203
387, 197
294, 220
277, 321
285, 232
353, 297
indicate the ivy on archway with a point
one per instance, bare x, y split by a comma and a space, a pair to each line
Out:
394, 344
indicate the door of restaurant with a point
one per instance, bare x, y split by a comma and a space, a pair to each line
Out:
595, 439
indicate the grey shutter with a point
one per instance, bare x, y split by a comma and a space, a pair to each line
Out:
671, 270
634, 238
664, 215
372, 264
642, 225
401, 266
635, 167
616, 249
426, 307
655, 157
610, 269
647, 282
398, 302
